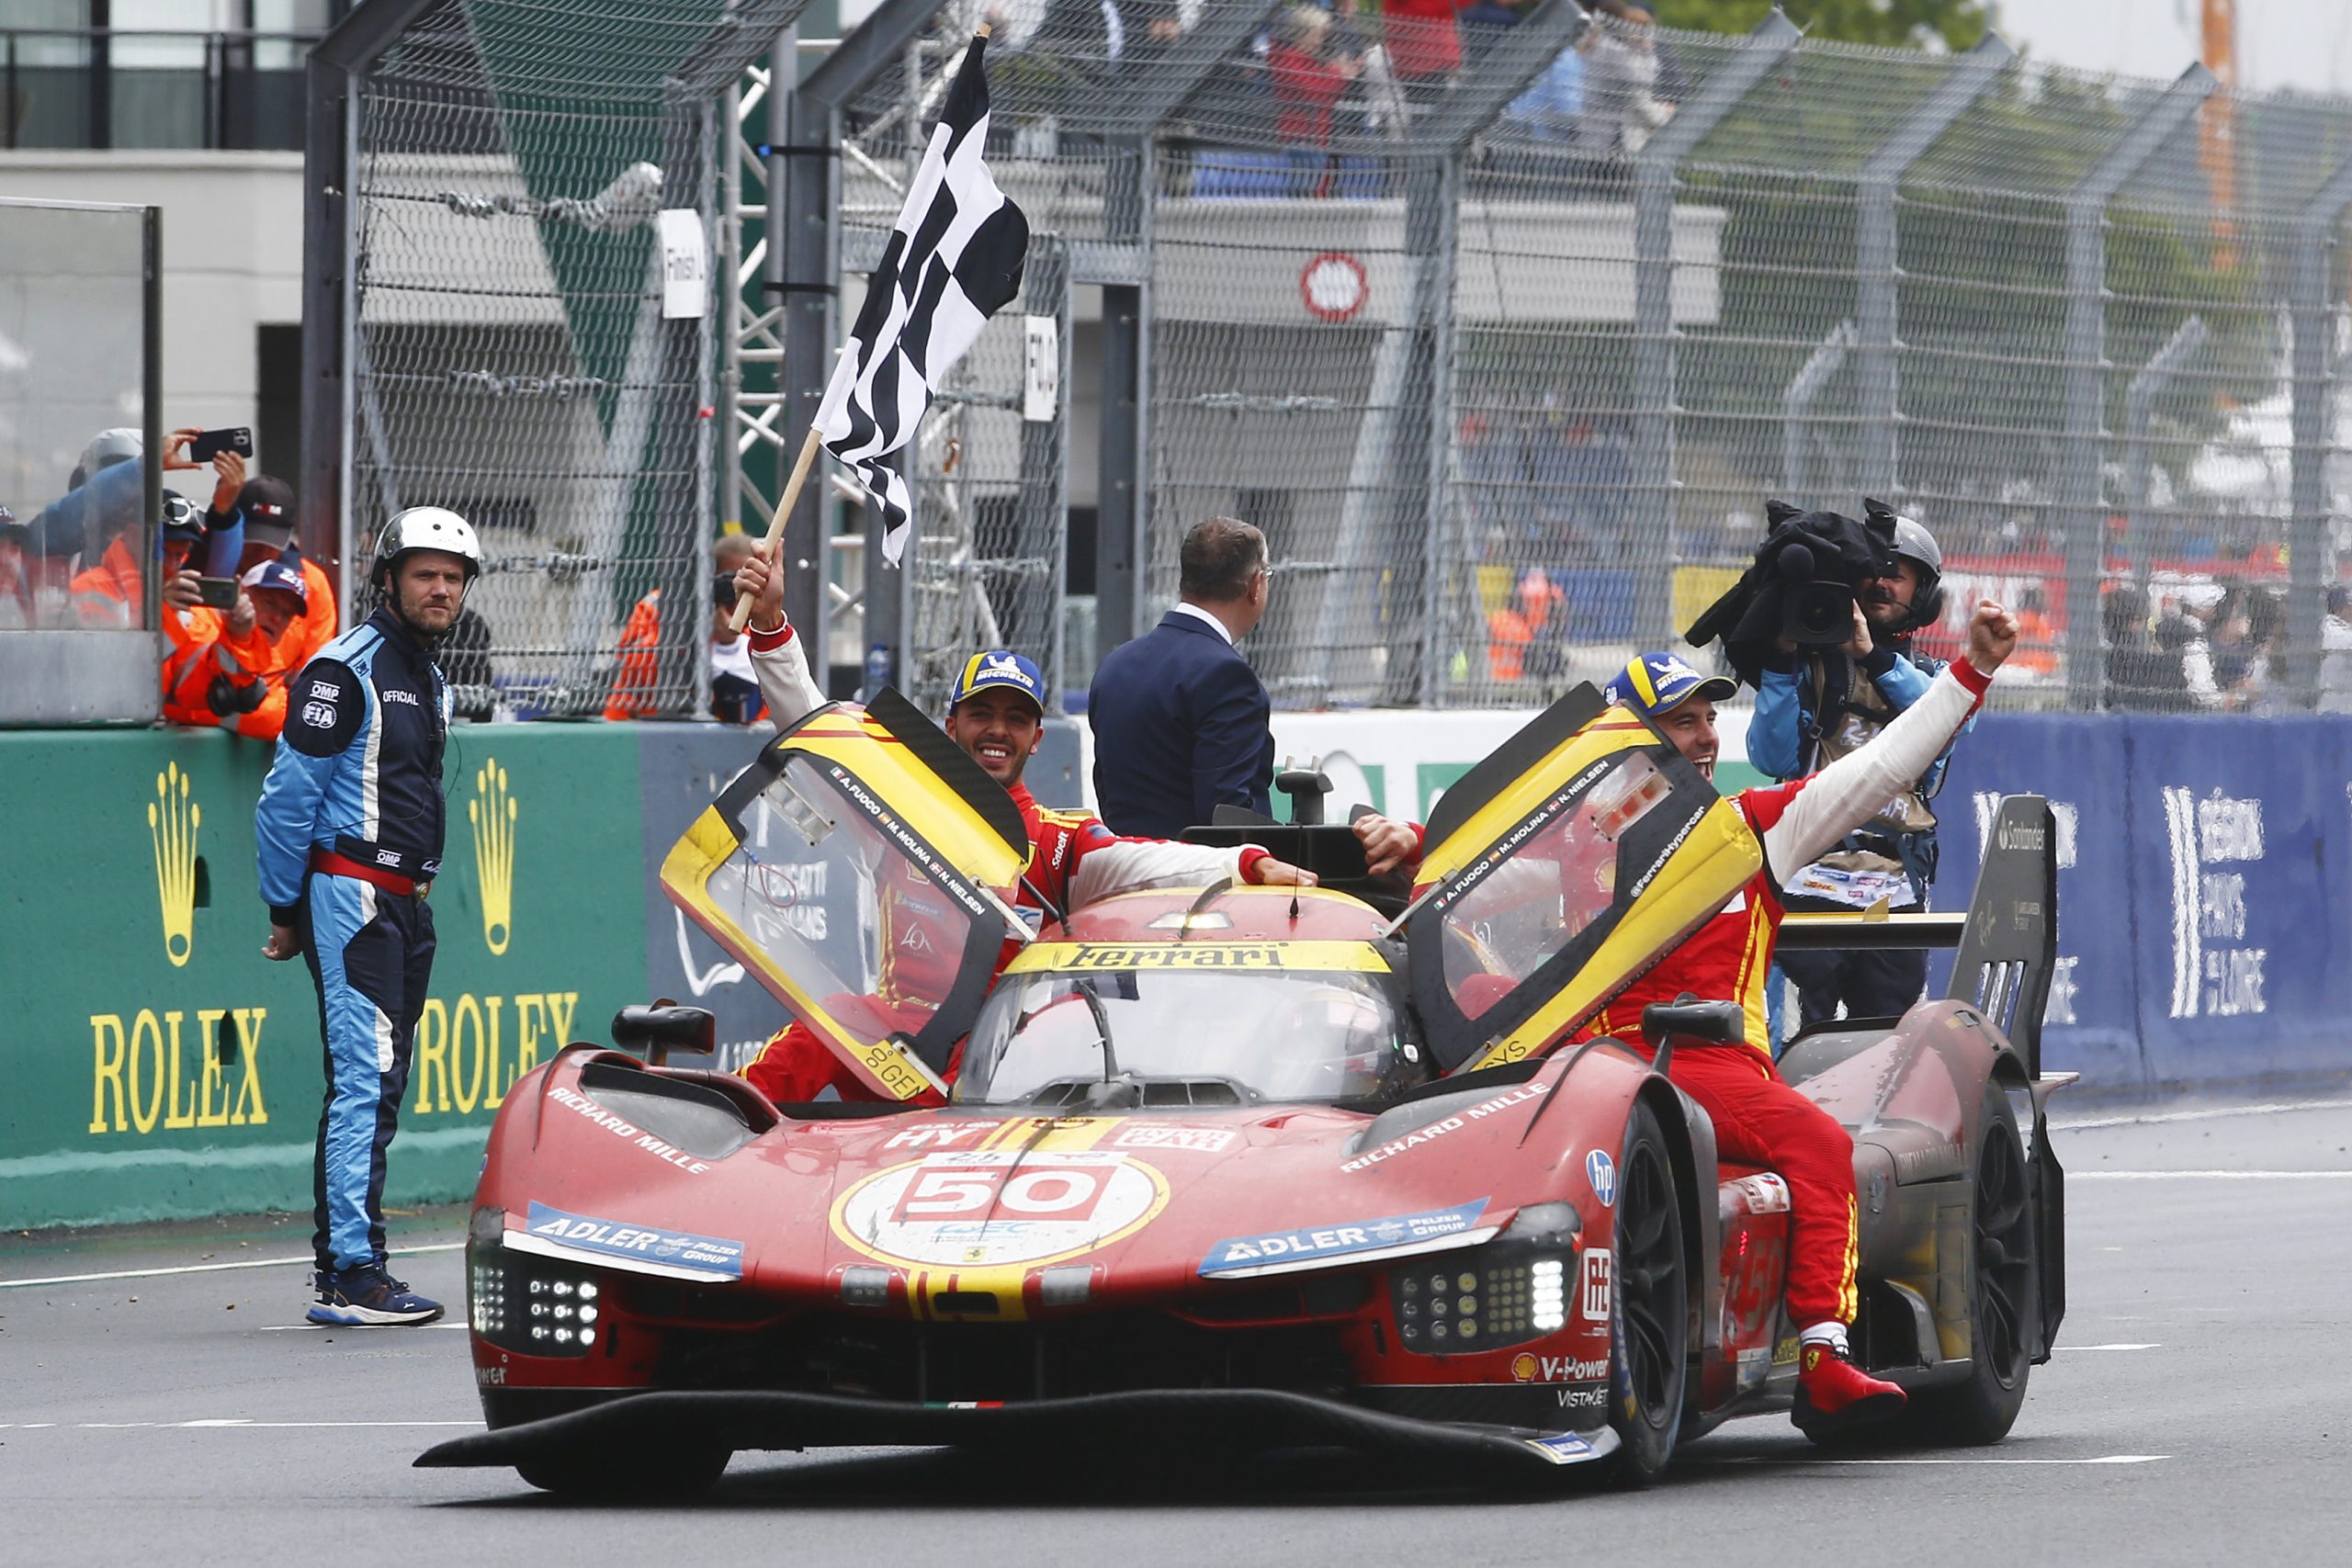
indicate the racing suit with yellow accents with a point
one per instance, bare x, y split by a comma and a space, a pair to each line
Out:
1758, 1119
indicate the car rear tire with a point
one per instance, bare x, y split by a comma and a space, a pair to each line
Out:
2001, 1296
657, 1476
1649, 1307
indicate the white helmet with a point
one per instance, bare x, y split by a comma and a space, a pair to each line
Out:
428, 528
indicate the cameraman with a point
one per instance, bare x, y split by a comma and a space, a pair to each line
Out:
1815, 705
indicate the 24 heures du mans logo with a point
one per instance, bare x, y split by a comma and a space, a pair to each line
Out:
172, 822
492, 812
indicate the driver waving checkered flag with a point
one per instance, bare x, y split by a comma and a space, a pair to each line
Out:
955, 257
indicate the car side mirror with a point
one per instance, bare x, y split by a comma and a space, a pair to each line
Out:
1306, 787
663, 1028
1718, 1023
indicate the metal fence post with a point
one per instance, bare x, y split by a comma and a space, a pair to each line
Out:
2138, 407
1122, 473
1438, 432
1796, 413
1041, 526
1654, 183
330, 107
2084, 353
2314, 300
1874, 307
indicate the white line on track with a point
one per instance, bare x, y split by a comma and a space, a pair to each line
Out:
315, 1327
238, 1423
2074, 1176
2214, 1113
212, 1268
2071, 1349
2104, 1459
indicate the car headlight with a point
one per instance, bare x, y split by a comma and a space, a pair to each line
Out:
537, 1306
1512, 1290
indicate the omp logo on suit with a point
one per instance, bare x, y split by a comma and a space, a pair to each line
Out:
172, 822
492, 812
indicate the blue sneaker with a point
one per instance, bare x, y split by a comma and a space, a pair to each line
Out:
368, 1297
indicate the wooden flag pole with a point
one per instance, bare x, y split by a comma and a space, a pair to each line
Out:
742, 611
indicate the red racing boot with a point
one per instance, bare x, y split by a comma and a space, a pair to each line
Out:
1834, 1395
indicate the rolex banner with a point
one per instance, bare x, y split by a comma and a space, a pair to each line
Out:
160, 1066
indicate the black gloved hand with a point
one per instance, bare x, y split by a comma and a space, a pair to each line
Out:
229, 700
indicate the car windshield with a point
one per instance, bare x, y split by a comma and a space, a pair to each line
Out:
1232, 1037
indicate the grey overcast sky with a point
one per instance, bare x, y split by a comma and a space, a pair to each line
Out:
2281, 43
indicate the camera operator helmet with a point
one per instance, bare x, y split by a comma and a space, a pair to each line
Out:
1915, 544
424, 528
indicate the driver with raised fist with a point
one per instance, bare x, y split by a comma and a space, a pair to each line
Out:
1758, 1119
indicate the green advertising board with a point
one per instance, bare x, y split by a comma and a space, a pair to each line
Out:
159, 1066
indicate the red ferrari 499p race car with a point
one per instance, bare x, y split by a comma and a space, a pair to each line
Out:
1239, 1166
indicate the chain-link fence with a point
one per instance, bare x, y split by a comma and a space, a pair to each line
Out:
523, 192
1506, 334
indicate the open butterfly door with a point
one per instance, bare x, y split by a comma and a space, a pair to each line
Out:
1556, 872
856, 868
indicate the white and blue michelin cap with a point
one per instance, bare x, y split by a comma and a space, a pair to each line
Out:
1653, 683
1000, 667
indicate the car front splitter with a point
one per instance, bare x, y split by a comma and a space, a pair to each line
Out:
1210, 1420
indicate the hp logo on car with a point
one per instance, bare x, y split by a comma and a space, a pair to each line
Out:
1601, 1172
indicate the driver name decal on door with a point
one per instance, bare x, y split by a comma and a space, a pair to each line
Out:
995, 1207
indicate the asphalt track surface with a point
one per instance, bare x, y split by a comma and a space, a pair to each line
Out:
180, 1412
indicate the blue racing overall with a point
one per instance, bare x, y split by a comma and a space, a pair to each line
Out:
349, 830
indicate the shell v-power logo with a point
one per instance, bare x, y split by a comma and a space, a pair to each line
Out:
172, 822
492, 812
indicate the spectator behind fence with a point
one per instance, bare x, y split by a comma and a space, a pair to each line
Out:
15, 573
1309, 77
238, 679
1424, 43
1179, 719
1548, 110
97, 523
2141, 677
734, 683
637, 684
2335, 652
1624, 105
219, 667
1524, 636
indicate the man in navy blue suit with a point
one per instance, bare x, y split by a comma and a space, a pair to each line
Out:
1180, 718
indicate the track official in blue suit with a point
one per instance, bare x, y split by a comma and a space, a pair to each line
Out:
1180, 718
350, 831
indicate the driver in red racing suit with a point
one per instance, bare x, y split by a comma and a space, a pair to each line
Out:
995, 713
1759, 1118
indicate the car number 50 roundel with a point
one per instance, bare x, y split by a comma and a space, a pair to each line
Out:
977, 1210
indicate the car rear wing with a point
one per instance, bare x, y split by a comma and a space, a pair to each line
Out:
2007, 940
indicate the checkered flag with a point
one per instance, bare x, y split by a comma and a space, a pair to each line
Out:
955, 257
